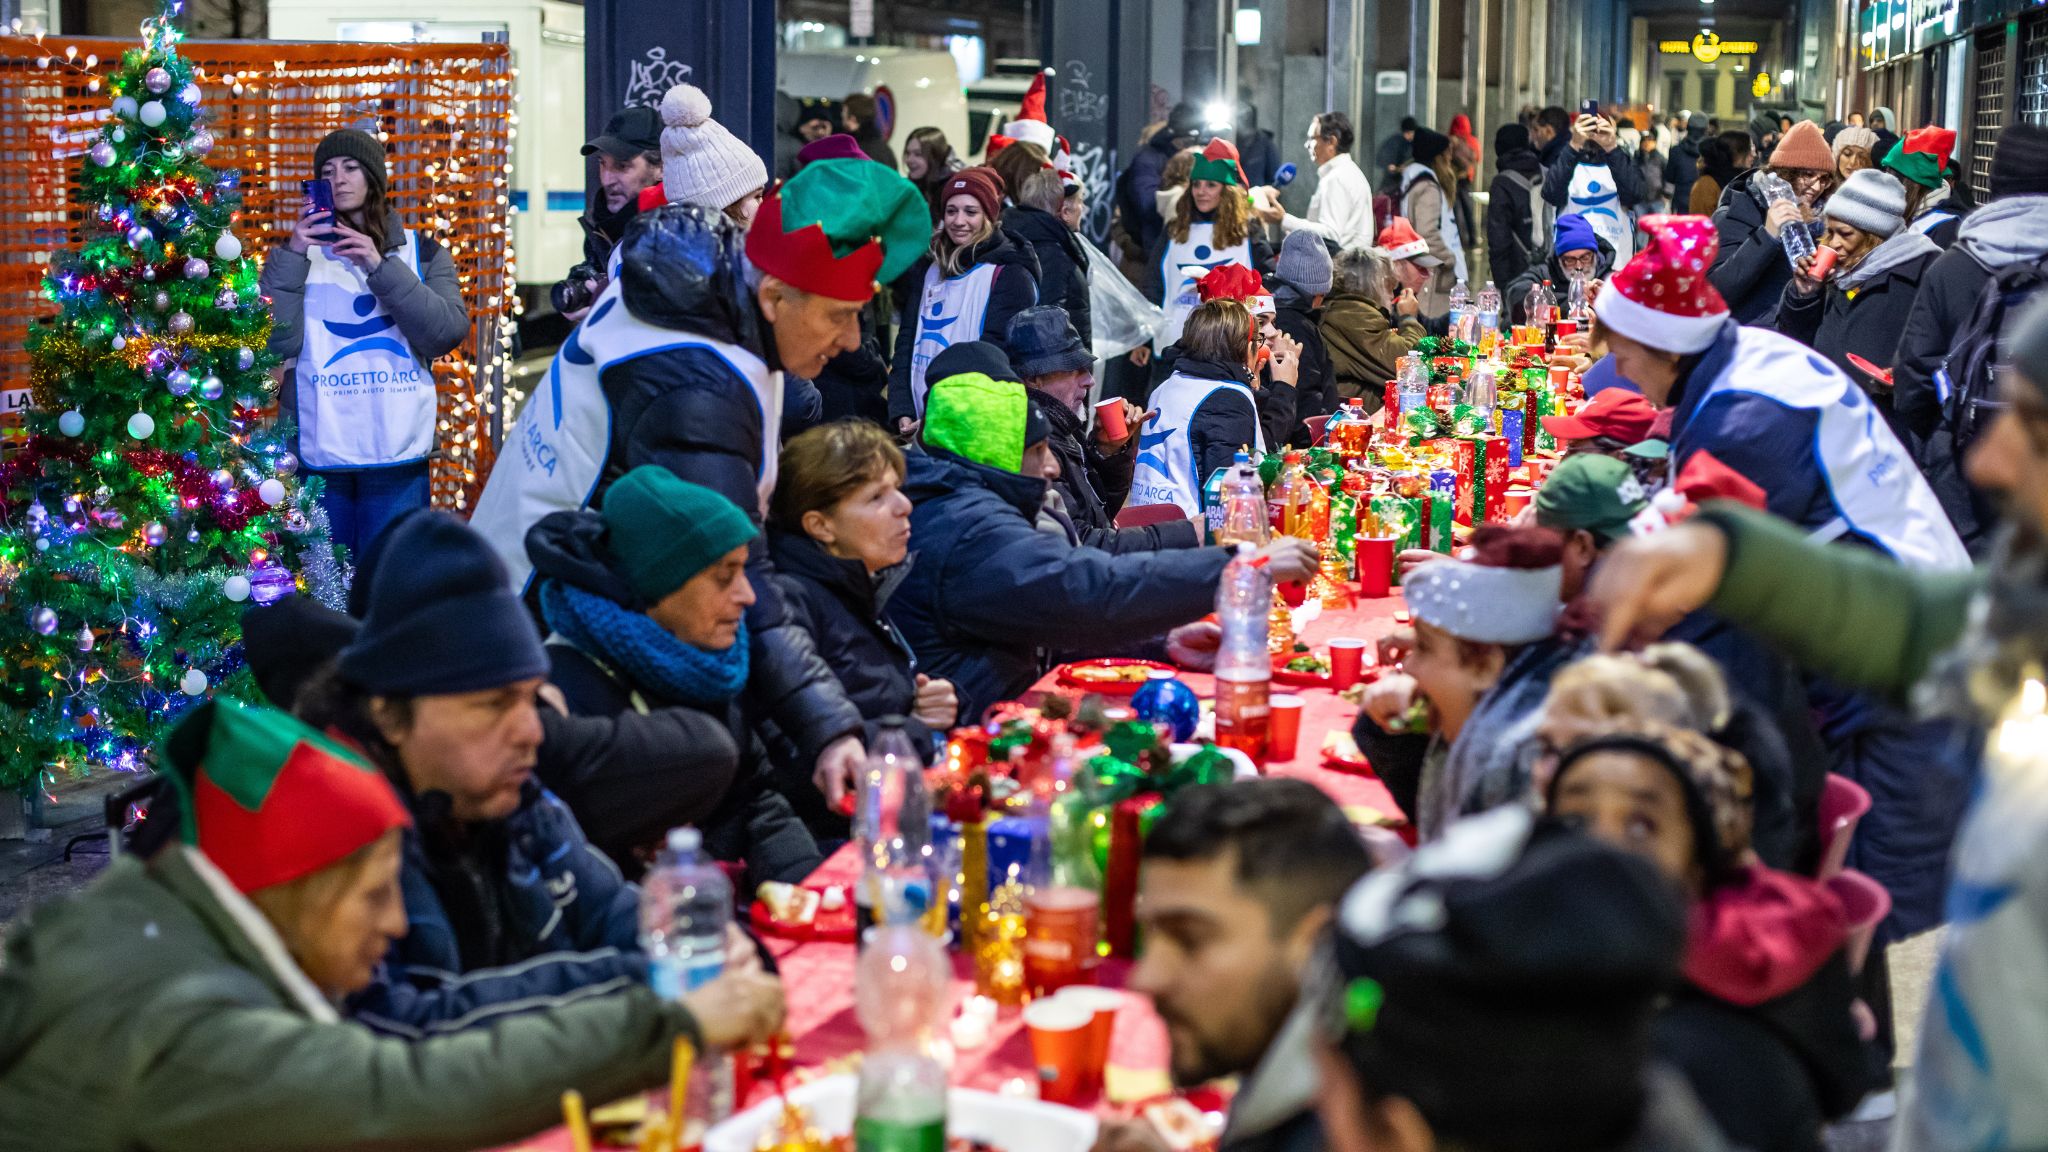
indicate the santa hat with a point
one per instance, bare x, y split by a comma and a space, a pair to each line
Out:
1663, 298
1705, 478
1218, 162
1233, 282
1400, 241
1063, 163
1511, 601
268, 799
1030, 124
839, 226
1923, 156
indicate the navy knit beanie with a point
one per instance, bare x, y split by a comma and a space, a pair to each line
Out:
440, 617
1574, 234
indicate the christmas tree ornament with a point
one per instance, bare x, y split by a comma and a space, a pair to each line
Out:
202, 142
157, 80
102, 153
125, 107
163, 211
86, 639
173, 153
111, 520
271, 491
149, 272
245, 359
189, 94
179, 382
226, 300
141, 426
227, 247
138, 236
211, 388
196, 268
71, 423
235, 588
181, 322
191, 535
287, 464
270, 582
44, 620
120, 134
102, 494
38, 516
193, 682
152, 114
118, 343
295, 520
105, 211
154, 534
161, 300
222, 479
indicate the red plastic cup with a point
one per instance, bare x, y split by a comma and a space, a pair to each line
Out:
1109, 419
1822, 263
1284, 729
1061, 926
1102, 1003
1518, 498
1567, 327
1375, 565
1061, 1037
1347, 662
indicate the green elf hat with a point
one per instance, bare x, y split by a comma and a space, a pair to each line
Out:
1923, 156
1218, 162
268, 799
840, 227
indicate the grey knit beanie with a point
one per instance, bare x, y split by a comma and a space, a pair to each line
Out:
1870, 199
357, 145
1305, 262
702, 163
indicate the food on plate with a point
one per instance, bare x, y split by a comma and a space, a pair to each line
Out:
794, 1132
1110, 673
1339, 745
790, 904
1180, 1124
1309, 663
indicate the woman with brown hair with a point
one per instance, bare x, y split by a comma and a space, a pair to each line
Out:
839, 530
1210, 225
1752, 271
927, 160
966, 287
1208, 408
360, 309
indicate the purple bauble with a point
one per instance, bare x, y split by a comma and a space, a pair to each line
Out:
269, 583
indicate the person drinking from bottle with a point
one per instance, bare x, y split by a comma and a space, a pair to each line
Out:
361, 306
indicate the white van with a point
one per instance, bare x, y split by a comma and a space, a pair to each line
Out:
913, 87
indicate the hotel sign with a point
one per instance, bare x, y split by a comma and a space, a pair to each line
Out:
1707, 47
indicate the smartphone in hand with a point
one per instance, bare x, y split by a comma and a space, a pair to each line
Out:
1589, 107
320, 194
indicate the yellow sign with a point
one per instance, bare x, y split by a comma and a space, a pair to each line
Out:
1761, 86
1707, 47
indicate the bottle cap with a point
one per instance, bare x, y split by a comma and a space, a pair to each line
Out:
891, 721
685, 839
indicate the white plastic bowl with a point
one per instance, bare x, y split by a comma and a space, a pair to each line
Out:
1010, 1123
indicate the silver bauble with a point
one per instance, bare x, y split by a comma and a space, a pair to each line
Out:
157, 80
179, 382
138, 236
102, 153
181, 322
43, 620
154, 534
211, 388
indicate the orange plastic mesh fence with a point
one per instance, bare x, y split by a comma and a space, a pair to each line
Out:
444, 110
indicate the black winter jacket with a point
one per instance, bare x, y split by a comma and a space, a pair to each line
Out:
1222, 423
1868, 324
686, 411
1062, 265
1515, 300
841, 605
1511, 214
1315, 387
1094, 485
1750, 271
1014, 289
990, 590
750, 821
1137, 186
1683, 169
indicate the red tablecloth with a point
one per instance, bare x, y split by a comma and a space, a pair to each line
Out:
818, 977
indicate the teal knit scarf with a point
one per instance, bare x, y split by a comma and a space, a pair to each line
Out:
645, 651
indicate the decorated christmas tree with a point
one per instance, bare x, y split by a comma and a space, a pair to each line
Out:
152, 499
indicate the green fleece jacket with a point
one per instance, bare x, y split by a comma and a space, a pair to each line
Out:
1854, 616
156, 1010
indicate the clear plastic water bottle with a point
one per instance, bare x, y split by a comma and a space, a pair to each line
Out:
1798, 241
1575, 300
1482, 393
1461, 312
1244, 518
892, 822
1414, 385
1489, 311
685, 907
1540, 306
900, 988
1244, 668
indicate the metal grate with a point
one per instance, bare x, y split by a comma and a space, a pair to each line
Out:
2033, 86
1989, 118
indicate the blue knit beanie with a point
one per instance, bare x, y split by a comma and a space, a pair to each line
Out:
1574, 234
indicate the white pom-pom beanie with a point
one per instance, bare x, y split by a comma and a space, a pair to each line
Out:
703, 163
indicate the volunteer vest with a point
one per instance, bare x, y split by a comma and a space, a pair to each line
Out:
554, 454
1165, 472
1928, 221
364, 399
1179, 297
1594, 196
949, 312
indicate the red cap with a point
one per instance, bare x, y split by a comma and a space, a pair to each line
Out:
1613, 412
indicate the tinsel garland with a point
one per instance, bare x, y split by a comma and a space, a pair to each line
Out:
59, 354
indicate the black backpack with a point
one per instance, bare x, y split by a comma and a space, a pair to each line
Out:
1968, 375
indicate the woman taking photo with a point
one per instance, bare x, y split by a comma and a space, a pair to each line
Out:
839, 530
967, 287
1211, 224
928, 159
1206, 410
360, 309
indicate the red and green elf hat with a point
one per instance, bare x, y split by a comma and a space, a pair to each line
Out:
839, 227
1218, 162
1923, 156
269, 799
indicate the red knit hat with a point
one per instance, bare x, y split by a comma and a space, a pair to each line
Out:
980, 182
269, 800
1401, 242
1804, 146
1663, 298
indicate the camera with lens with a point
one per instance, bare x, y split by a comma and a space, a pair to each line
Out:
578, 290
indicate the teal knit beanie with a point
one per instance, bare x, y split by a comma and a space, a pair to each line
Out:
661, 530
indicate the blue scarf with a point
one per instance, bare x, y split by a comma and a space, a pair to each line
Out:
645, 651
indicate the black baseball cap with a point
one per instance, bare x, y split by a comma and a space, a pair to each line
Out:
628, 134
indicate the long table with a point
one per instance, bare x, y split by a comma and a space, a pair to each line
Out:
818, 975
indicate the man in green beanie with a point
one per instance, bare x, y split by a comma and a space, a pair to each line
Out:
680, 364
648, 601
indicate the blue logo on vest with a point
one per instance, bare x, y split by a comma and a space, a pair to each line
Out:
1149, 445
364, 335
